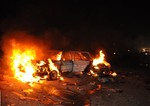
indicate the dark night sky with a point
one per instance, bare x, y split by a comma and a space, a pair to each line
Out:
86, 24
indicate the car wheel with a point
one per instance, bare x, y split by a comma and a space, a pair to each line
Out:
52, 75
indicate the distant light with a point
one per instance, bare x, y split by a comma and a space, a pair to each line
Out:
114, 53
128, 50
146, 53
143, 50
114, 74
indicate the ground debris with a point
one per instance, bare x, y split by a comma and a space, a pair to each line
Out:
21, 97
107, 79
11, 105
114, 90
28, 91
92, 91
47, 101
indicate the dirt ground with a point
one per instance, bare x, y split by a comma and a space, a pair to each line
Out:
130, 88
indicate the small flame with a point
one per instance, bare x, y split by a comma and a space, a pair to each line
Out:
93, 73
61, 78
96, 67
28, 91
59, 55
100, 59
41, 63
53, 67
114, 74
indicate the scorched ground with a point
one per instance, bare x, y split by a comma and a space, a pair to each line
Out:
128, 88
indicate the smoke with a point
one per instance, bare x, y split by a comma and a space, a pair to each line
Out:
56, 38
42, 42
24, 40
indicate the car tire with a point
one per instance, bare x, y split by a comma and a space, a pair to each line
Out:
53, 75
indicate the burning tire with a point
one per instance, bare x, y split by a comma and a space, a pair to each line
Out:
52, 75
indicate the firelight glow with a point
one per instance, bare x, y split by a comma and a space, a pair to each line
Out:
100, 59
22, 65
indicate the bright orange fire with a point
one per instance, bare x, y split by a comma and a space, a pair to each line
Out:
100, 59
59, 55
53, 67
93, 73
22, 65
24, 68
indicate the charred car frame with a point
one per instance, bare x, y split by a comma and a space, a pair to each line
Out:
68, 61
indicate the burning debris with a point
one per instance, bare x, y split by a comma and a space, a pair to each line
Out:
100, 67
27, 68
22, 65
23, 55
29, 64
100, 60
27, 71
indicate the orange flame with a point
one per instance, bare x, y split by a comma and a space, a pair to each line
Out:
114, 74
22, 65
53, 67
61, 79
93, 73
59, 56
100, 59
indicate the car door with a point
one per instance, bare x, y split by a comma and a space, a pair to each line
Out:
66, 62
79, 63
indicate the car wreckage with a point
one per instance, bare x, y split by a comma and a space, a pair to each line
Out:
68, 61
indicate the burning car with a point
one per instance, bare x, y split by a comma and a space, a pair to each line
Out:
64, 61
27, 69
72, 61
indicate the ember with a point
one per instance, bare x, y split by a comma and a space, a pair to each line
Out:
28, 91
114, 74
61, 78
92, 73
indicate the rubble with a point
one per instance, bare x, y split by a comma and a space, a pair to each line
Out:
21, 97
107, 79
28, 91
85, 91
72, 89
114, 90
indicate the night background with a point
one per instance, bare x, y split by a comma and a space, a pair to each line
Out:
31, 74
80, 25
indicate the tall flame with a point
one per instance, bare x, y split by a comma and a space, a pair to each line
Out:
22, 65
53, 67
